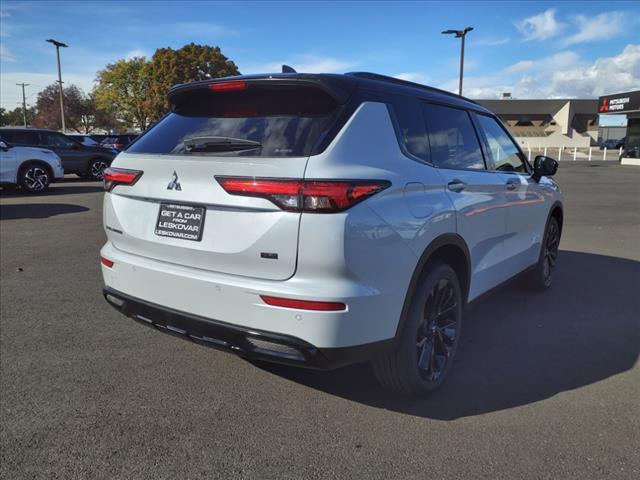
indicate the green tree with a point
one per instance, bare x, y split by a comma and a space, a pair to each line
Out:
14, 117
123, 90
190, 63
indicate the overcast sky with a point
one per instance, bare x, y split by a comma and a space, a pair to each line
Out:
531, 49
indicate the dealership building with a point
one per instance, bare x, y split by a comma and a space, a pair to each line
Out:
548, 123
628, 104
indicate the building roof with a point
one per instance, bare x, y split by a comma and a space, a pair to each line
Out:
539, 107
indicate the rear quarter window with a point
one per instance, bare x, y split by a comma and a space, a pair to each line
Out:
410, 127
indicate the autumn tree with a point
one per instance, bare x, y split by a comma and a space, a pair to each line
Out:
123, 90
80, 111
190, 63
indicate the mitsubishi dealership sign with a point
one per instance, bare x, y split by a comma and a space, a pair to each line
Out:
619, 103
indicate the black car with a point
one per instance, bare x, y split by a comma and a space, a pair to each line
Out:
85, 161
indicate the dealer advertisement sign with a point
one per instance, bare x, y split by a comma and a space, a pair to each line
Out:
619, 103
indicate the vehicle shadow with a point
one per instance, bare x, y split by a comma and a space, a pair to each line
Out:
67, 186
519, 347
38, 210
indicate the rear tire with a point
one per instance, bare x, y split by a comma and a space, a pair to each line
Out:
34, 178
424, 353
541, 277
96, 167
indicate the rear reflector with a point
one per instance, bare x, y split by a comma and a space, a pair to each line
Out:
228, 86
119, 176
317, 196
303, 304
106, 262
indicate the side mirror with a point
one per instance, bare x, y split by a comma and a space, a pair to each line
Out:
4, 146
544, 167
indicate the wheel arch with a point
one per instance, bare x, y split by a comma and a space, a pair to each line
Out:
556, 211
450, 249
35, 161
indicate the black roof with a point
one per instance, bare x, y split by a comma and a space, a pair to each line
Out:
340, 86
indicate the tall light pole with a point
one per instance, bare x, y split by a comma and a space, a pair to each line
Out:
24, 103
58, 45
460, 34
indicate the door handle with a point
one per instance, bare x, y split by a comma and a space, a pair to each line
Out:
511, 184
456, 185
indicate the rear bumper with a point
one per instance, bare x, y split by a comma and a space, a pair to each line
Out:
248, 343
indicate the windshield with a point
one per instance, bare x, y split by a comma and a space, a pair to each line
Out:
284, 121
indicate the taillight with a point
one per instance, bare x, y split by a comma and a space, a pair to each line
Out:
319, 196
119, 176
303, 304
228, 86
106, 262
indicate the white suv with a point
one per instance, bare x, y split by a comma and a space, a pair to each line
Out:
31, 168
322, 220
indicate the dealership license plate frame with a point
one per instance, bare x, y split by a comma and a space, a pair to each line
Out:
181, 208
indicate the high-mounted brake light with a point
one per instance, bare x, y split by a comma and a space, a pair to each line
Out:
228, 86
303, 304
314, 196
119, 176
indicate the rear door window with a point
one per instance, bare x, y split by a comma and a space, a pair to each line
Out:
262, 120
452, 138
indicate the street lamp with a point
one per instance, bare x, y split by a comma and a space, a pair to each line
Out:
460, 34
58, 45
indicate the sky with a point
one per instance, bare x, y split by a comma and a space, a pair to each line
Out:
532, 49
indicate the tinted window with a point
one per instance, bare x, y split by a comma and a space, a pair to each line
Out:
452, 138
53, 139
411, 129
272, 120
503, 152
21, 137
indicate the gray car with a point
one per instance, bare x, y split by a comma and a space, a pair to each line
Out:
83, 160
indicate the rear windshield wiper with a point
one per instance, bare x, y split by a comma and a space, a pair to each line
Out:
219, 144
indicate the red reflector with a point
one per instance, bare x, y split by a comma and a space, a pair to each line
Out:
119, 176
303, 304
304, 195
228, 86
105, 262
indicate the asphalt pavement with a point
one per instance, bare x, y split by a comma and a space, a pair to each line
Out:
545, 385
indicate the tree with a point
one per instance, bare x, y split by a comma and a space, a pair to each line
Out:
14, 117
190, 63
80, 111
123, 90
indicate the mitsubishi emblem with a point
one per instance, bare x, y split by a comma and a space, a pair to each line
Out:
174, 183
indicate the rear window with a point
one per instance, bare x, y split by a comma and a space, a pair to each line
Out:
262, 120
20, 137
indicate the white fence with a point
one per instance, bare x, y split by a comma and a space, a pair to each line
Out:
575, 153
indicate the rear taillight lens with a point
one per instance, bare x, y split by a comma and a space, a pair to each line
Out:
106, 262
119, 176
319, 196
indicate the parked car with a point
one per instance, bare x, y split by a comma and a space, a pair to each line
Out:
33, 169
321, 220
612, 143
84, 139
119, 142
85, 161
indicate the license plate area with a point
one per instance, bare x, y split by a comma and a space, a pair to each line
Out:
185, 222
